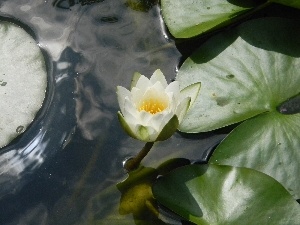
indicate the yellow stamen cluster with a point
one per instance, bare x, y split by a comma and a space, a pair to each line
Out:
152, 106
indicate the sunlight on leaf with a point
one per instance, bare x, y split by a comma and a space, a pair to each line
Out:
189, 18
268, 143
212, 194
243, 72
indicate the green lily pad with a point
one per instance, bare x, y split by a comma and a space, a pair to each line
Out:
244, 72
268, 143
212, 194
292, 3
189, 18
23, 81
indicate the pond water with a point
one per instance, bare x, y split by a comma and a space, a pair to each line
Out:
65, 167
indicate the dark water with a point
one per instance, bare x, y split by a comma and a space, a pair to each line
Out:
64, 168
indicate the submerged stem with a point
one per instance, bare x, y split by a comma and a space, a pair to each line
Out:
133, 163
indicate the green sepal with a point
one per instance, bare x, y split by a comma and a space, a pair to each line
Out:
136, 76
169, 129
143, 134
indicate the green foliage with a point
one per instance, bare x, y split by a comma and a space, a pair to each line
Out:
244, 72
268, 143
212, 194
190, 18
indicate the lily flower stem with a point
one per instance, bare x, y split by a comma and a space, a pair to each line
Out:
133, 163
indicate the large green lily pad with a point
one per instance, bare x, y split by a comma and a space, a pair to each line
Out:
212, 194
23, 81
189, 18
244, 72
268, 143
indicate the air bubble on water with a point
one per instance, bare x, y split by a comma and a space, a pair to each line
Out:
126, 160
19, 129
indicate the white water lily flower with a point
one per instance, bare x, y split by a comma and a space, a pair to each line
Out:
152, 110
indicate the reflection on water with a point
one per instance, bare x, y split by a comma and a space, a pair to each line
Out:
64, 169
67, 4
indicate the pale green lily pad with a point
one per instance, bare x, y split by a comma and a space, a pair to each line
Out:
268, 143
212, 194
190, 18
23, 81
243, 72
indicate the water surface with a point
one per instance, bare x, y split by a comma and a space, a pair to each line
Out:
64, 168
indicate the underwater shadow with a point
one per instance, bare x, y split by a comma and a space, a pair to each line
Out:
214, 46
246, 3
271, 34
171, 191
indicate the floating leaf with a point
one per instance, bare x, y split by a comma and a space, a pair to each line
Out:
189, 18
212, 194
244, 72
23, 81
268, 143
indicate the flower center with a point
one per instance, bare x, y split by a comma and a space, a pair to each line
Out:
152, 105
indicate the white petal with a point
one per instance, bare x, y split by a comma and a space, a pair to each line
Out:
122, 93
158, 86
130, 113
152, 134
137, 95
173, 87
165, 119
143, 83
144, 118
130, 119
172, 102
159, 76
182, 108
156, 93
169, 129
157, 121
